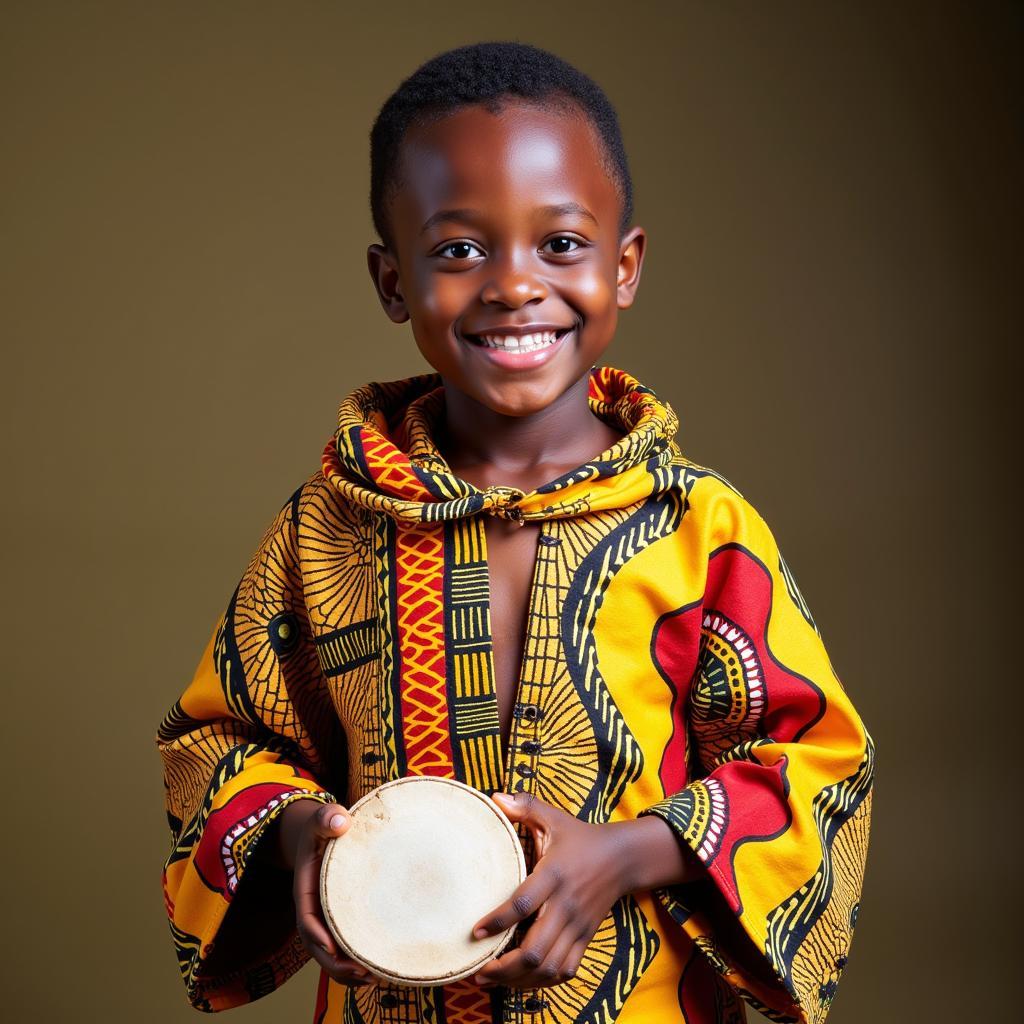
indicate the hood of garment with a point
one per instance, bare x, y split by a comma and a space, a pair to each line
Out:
383, 455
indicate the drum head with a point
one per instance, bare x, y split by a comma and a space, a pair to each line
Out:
423, 860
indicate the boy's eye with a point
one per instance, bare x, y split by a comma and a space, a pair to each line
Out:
562, 244
459, 250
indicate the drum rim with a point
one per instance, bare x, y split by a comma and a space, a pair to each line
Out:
493, 944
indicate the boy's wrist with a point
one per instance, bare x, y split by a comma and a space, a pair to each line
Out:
655, 857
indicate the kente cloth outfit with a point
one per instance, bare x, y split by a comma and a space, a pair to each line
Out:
671, 667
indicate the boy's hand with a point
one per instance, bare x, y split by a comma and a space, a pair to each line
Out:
580, 872
304, 831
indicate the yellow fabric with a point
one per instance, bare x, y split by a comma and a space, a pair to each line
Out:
671, 667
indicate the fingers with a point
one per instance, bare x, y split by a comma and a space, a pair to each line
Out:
554, 969
558, 964
313, 929
330, 820
572, 962
533, 958
523, 807
526, 900
541, 818
341, 968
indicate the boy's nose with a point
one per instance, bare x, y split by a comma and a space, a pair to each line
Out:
513, 287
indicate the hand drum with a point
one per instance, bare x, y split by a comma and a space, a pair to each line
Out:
423, 860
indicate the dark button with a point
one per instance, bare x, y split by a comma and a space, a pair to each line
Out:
525, 770
529, 711
530, 747
283, 633
388, 1001
533, 1004
370, 757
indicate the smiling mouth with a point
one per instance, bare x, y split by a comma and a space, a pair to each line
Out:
518, 343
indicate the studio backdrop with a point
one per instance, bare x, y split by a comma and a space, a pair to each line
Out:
829, 301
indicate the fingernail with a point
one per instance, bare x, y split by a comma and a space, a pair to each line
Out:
337, 821
504, 798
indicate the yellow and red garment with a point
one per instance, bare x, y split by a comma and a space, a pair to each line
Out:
671, 667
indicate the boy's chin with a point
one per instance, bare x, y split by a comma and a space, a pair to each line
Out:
518, 398
509, 387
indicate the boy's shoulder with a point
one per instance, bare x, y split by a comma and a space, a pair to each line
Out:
694, 471
302, 500
727, 514
317, 504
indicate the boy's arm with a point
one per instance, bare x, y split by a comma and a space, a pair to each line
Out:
777, 813
252, 734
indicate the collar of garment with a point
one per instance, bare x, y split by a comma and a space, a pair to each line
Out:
383, 456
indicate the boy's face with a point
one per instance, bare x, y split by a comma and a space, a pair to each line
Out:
507, 224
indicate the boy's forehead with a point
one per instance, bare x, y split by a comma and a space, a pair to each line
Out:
522, 156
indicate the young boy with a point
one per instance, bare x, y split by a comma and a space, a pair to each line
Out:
506, 572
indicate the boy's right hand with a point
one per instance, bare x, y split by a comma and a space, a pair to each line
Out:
304, 831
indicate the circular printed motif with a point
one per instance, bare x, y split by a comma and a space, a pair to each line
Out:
727, 695
705, 808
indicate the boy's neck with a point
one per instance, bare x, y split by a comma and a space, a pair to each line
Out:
521, 451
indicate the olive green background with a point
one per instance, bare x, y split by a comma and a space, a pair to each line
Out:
830, 301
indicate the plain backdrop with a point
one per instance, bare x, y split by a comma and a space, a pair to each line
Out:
830, 301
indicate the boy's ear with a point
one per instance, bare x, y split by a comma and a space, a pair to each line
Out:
384, 271
631, 259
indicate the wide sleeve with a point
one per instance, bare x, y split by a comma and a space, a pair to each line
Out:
253, 731
780, 773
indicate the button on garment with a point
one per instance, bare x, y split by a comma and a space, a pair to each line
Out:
671, 668
529, 712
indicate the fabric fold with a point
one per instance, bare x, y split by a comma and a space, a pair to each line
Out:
251, 734
671, 667
383, 456
778, 804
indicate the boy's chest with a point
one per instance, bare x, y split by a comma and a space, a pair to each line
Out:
511, 560
502, 655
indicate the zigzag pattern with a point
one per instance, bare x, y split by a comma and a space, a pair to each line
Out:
466, 1003
390, 467
390, 733
419, 564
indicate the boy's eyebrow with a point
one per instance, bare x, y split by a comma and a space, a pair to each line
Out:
554, 210
560, 209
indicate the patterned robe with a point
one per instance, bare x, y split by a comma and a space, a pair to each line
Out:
671, 667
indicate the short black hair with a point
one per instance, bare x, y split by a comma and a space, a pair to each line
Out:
487, 73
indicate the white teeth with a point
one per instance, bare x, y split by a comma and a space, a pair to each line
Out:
519, 343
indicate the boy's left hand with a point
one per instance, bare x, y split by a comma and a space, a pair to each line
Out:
579, 873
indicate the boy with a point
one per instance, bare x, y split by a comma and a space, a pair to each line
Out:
653, 707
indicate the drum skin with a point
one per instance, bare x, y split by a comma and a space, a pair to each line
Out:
423, 860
